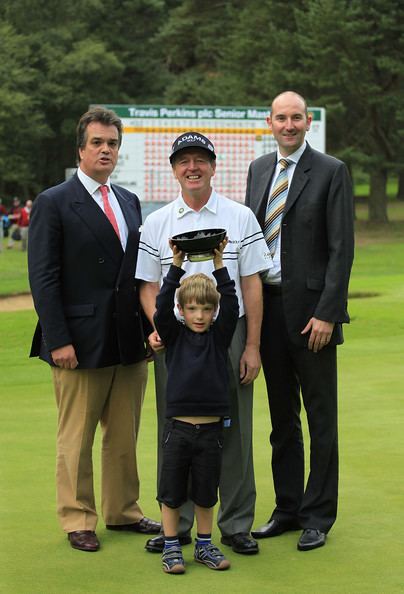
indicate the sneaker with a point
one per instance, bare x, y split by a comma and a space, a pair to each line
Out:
173, 561
211, 556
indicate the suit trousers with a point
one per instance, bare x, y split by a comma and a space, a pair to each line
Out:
113, 397
237, 483
290, 370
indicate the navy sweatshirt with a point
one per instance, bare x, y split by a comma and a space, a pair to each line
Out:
197, 382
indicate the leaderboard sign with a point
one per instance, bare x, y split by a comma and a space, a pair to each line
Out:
240, 134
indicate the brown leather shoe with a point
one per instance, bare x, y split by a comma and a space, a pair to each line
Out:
144, 526
84, 540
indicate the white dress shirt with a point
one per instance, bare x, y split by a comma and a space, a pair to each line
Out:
93, 188
273, 276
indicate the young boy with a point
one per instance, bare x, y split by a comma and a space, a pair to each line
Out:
197, 401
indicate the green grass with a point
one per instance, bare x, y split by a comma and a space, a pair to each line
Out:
364, 552
13, 263
13, 271
362, 188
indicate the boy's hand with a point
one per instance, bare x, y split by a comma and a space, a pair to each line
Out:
218, 257
178, 255
155, 342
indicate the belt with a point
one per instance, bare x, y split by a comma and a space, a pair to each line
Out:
272, 289
192, 427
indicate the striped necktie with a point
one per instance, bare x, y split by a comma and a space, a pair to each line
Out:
108, 210
275, 206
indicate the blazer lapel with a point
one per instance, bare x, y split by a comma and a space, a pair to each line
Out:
129, 211
93, 217
263, 184
300, 179
133, 221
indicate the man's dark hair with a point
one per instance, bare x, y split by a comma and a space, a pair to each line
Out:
96, 114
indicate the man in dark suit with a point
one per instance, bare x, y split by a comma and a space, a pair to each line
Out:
83, 243
303, 201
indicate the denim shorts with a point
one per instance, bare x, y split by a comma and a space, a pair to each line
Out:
192, 454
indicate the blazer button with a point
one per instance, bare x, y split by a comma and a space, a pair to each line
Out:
101, 260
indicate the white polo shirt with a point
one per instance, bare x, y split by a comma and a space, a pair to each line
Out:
246, 252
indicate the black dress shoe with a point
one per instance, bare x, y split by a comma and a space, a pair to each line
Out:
311, 539
144, 526
275, 528
156, 544
84, 540
241, 543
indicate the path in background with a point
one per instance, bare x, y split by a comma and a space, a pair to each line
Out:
16, 303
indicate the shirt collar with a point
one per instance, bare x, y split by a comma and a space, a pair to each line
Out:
294, 157
183, 208
90, 184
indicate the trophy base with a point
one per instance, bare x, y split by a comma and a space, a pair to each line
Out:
201, 257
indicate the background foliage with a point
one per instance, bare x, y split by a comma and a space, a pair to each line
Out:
57, 58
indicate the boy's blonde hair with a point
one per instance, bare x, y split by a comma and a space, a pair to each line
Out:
199, 288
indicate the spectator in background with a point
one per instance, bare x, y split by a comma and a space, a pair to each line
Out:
23, 224
3, 217
14, 217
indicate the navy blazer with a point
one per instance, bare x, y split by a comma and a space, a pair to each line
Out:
317, 238
82, 282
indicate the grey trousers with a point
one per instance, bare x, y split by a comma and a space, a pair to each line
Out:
237, 484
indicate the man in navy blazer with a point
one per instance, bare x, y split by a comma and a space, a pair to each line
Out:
83, 243
305, 304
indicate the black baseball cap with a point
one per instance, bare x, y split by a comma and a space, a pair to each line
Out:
192, 140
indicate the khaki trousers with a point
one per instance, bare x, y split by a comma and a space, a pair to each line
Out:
113, 397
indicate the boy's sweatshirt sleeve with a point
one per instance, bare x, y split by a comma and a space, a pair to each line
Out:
227, 318
164, 318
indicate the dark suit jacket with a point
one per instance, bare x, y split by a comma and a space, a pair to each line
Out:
316, 238
82, 282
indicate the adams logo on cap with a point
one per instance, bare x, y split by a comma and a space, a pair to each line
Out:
192, 140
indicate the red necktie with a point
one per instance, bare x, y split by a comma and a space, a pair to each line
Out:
108, 210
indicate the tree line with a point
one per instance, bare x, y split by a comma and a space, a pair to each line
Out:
57, 58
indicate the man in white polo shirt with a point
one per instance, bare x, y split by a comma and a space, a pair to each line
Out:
246, 255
